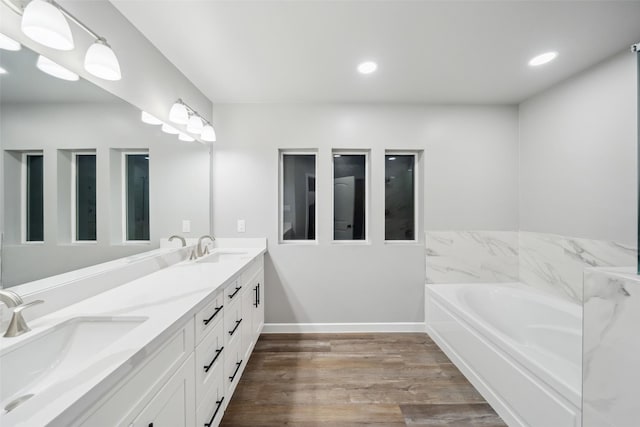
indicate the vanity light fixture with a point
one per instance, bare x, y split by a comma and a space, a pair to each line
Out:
46, 22
184, 137
7, 43
150, 119
54, 69
179, 113
169, 129
195, 124
543, 59
208, 133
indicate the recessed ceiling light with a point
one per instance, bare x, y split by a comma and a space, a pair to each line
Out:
543, 59
367, 67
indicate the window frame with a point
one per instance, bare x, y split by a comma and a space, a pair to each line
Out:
23, 197
124, 168
416, 194
367, 195
74, 196
295, 152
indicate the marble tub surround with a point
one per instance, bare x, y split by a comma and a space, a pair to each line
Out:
165, 298
471, 256
556, 263
611, 379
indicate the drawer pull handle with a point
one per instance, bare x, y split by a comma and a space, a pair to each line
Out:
259, 302
257, 290
218, 353
235, 292
215, 313
238, 364
213, 417
235, 327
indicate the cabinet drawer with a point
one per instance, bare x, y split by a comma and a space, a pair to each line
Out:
233, 321
213, 403
232, 291
208, 317
233, 366
209, 355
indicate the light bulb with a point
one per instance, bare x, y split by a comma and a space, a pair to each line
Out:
7, 43
169, 129
195, 124
44, 23
54, 69
102, 62
208, 134
184, 137
367, 67
179, 113
150, 119
543, 59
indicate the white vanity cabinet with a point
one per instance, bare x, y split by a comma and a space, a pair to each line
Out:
189, 380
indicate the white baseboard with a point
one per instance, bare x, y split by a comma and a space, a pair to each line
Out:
288, 328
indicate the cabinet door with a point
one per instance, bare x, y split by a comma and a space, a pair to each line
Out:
174, 405
257, 312
248, 299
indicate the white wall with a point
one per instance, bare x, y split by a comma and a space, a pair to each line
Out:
178, 183
578, 155
469, 181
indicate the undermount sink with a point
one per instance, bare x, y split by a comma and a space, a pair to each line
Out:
51, 357
223, 256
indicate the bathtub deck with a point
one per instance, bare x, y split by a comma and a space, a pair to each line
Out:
354, 379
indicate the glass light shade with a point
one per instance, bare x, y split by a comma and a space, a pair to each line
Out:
178, 113
102, 62
184, 137
195, 124
208, 134
7, 43
150, 119
44, 23
54, 69
169, 129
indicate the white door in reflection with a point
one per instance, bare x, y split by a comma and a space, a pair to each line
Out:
344, 190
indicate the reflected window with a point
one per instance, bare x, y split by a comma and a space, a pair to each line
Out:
34, 197
85, 197
349, 196
399, 197
137, 196
298, 195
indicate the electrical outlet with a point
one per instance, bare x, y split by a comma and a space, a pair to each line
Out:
186, 226
241, 226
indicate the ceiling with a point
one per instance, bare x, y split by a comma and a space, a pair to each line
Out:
427, 51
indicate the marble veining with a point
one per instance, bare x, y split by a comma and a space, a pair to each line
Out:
471, 256
556, 263
611, 380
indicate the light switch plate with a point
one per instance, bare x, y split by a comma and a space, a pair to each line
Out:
186, 226
241, 226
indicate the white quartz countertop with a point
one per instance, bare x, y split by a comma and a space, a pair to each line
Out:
167, 298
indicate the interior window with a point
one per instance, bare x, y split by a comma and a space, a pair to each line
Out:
298, 210
137, 196
399, 197
349, 198
34, 197
85, 200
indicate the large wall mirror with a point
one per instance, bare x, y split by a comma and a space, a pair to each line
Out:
84, 181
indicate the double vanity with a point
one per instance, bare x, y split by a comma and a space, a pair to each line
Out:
165, 349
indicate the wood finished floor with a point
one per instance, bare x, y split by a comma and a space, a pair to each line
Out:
354, 380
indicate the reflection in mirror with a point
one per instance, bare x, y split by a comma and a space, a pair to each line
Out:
298, 196
399, 197
78, 188
349, 182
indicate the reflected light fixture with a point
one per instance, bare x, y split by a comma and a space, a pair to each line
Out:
208, 133
150, 119
44, 22
367, 67
179, 113
54, 69
169, 129
184, 137
7, 43
195, 124
101, 61
543, 59
391, 158
3, 71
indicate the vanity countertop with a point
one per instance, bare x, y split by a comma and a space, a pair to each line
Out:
167, 298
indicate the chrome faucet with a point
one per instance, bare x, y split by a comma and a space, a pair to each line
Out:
201, 252
182, 239
17, 325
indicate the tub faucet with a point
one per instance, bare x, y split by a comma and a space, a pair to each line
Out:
182, 239
202, 252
